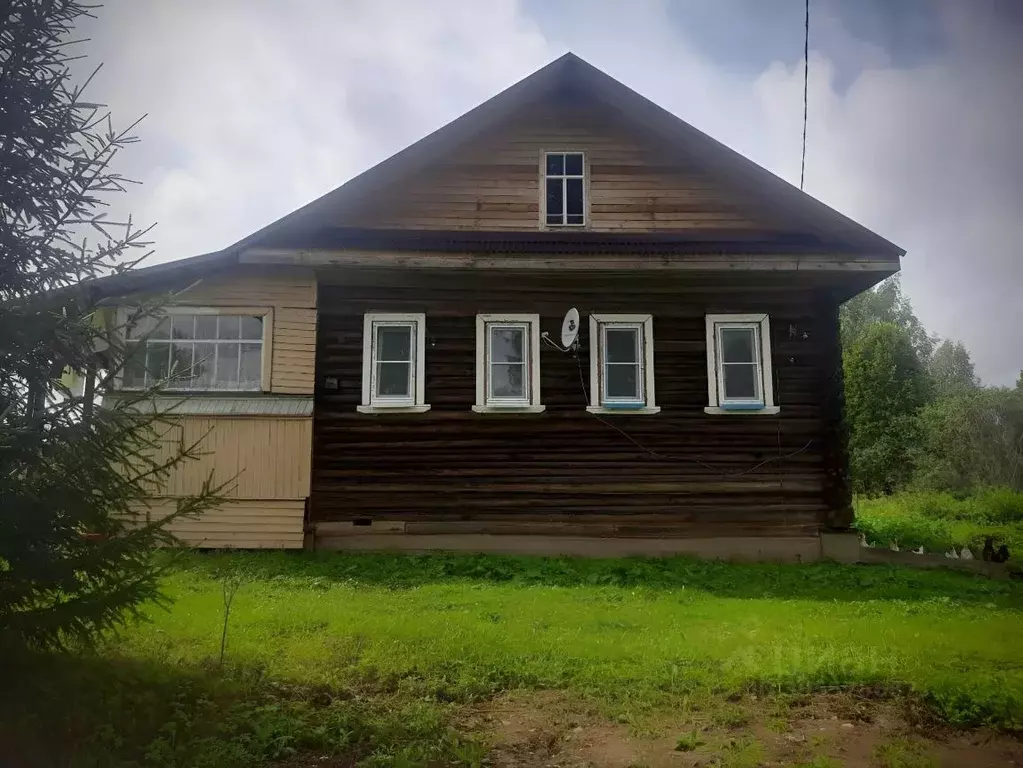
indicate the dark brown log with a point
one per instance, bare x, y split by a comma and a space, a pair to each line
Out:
695, 474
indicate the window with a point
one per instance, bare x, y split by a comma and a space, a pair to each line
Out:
564, 192
622, 364
198, 350
739, 378
393, 362
508, 363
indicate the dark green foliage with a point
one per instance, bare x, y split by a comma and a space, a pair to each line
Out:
747, 581
74, 479
885, 387
116, 712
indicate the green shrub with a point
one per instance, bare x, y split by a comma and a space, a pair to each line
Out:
940, 521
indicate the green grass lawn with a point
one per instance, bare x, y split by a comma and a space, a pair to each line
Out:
370, 655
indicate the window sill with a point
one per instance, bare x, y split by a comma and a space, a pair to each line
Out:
392, 408
769, 410
644, 411
509, 408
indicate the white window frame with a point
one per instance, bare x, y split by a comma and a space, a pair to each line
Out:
599, 403
564, 193
371, 402
715, 378
531, 403
124, 314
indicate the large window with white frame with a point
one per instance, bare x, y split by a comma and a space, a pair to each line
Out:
564, 186
197, 349
622, 364
508, 363
393, 363
739, 376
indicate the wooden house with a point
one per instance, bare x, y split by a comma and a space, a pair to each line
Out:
377, 366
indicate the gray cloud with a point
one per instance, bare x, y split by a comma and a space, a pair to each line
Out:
258, 107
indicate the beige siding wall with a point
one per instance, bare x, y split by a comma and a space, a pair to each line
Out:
265, 459
292, 295
266, 463
242, 524
261, 457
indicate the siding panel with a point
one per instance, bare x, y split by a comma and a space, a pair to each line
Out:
262, 458
243, 524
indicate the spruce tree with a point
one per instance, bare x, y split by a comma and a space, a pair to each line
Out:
78, 526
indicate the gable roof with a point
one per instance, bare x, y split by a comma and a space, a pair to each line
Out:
567, 72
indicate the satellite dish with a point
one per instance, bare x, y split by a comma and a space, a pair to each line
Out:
570, 328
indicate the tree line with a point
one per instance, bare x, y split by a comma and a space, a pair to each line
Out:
917, 414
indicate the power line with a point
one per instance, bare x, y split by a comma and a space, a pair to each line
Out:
806, 78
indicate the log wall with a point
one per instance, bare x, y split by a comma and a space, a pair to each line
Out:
566, 471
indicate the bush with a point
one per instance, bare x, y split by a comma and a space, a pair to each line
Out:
940, 521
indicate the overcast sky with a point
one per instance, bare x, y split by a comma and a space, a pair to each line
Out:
915, 119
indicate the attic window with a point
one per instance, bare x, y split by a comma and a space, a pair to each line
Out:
564, 189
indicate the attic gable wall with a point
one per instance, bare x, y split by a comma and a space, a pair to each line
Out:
493, 182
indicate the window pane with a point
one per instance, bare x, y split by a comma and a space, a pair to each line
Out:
228, 327
227, 366
555, 165
575, 219
252, 328
181, 364
157, 363
205, 326
574, 165
555, 190
738, 345
202, 366
251, 366
183, 326
506, 345
621, 345
575, 196
150, 328
134, 373
622, 381
393, 380
508, 380
394, 342
556, 218
741, 381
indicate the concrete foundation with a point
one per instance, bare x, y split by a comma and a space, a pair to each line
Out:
840, 546
737, 549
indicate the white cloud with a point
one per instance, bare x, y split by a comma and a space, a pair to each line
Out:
257, 107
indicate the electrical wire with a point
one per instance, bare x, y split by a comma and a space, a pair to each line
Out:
668, 457
806, 79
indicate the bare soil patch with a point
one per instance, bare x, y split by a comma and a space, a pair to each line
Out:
552, 729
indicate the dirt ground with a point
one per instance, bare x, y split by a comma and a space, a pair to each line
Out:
553, 730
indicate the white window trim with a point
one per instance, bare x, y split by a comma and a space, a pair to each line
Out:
543, 190
415, 404
266, 362
533, 360
715, 406
645, 324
